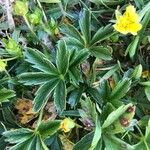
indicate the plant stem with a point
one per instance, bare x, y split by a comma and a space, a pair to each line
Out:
7, 74
9, 59
45, 18
29, 26
39, 119
143, 137
31, 29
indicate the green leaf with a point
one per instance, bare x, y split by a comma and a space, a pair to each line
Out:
107, 3
102, 34
75, 96
73, 42
18, 135
43, 93
114, 143
48, 128
6, 94
84, 23
85, 142
95, 95
69, 113
107, 75
115, 115
147, 92
40, 145
135, 43
35, 78
79, 58
3, 143
60, 96
144, 10
132, 47
101, 52
137, 72
50, 1
97, 134
120, 90
146, 83
33, 143
71, 31
40, 62
22, 146
62, 59
144, 142
75, 75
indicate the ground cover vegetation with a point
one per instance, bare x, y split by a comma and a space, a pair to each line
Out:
75, 74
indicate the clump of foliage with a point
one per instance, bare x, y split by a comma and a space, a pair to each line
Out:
75, 75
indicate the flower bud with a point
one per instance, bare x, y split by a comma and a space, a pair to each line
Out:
21, 8
12, 47
54, 27
2, 65
36, 17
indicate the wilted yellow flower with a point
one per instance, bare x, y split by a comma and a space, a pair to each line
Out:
129, 22
2, 66
145, 74
67, 124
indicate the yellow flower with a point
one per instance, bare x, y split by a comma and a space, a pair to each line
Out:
129, 22
67, 124
2, 66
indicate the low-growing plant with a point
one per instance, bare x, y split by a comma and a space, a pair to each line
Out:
75, 75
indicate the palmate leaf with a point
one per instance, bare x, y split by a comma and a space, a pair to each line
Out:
33, 143
62, 59
60, 96
84, 23
40, 62
102, 34
25, 139
43, 94
6, 94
